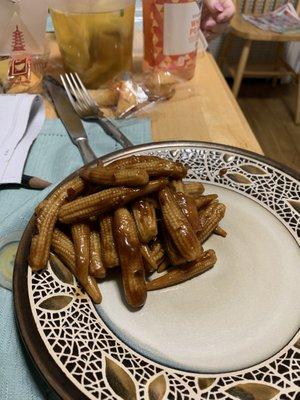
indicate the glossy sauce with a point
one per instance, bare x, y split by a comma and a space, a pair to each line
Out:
133, 274
189, 209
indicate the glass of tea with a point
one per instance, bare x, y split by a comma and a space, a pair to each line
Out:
95, 37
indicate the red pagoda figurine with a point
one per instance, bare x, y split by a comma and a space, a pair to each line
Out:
18, 43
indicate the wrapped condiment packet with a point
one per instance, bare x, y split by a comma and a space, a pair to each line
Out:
21, 118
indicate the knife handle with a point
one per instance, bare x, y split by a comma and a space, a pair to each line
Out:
114, 132
86, 152
33, 182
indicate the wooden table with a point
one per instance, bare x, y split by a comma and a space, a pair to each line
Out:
203, 109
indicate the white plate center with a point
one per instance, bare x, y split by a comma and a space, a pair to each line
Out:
236, 315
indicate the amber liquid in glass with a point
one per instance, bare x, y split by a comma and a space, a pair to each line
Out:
97, 46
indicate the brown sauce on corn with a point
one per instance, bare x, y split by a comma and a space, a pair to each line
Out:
137, 215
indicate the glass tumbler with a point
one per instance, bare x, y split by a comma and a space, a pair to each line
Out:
95, 37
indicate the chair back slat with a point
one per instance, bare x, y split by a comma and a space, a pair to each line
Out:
277, 4
247, 7
257, 7
267, 6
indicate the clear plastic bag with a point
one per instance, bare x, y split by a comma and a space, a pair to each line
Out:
130, 95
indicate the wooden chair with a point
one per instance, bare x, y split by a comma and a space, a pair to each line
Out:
249, 33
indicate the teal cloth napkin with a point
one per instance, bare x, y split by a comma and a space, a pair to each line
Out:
52, 157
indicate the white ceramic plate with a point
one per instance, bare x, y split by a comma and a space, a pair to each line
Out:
249, 300
242, 316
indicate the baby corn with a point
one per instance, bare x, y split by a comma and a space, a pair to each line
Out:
210, 221
39, 208
163, 226
94, 204
45, 221
109, 177
41, 242
178, 185
64, 249
153, 256
163, 265
128, 161
108, 247
115, 175
184, 272
128, 245
194, 188
178, 226
187, 205
96, 267
131, 177
76, 185
150, 262
162, 168
105, 200
206, 212
203, 200
81, 238
61, 194
145, 219
98, 175
220, 231
173, 254
157, 251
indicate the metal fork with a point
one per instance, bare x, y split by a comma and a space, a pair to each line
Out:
86, 107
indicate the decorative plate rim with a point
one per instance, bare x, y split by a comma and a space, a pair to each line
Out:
45, 364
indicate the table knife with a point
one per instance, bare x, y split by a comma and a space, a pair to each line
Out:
69, 118
27, 182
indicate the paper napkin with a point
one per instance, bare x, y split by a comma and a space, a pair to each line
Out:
21, 119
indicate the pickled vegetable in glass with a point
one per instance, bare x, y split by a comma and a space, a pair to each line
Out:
97, 45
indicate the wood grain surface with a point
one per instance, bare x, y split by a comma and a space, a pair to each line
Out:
202, 108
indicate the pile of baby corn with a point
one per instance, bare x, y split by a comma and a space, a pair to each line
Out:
137, 215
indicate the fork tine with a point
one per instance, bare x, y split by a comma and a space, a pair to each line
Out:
78, 104
71, 87
87, 108
88, 97
80, 97
74, 104
83, 93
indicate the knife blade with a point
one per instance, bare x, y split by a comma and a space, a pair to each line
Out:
69, 118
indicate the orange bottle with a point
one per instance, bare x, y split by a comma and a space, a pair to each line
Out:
171, 32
